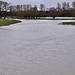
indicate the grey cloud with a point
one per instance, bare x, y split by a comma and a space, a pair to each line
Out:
48, 3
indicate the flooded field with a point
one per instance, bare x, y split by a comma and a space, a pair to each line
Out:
37, 47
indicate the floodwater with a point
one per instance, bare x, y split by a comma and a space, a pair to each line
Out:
37, 47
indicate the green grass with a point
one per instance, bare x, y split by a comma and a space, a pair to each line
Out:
5, 22
68, 23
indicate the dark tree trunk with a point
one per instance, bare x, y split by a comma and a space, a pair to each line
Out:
53, 17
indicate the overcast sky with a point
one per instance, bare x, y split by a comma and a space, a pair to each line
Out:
47, 3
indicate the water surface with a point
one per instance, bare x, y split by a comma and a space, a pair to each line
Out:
37, 47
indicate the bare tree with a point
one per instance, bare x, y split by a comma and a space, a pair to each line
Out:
24, 7
73, 5
53, 12
28, 6
42, 7
18, 7
1, 3
58, 6
5, 9
64, 6
35, 7
68, 6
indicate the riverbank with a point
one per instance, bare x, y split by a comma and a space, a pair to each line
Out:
45, 18
68, 23
5, 22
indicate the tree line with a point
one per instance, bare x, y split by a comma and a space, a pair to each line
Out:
28, 11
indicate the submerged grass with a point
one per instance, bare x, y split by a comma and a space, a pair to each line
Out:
68, 23
5, 22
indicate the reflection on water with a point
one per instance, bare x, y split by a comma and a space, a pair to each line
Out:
37, 47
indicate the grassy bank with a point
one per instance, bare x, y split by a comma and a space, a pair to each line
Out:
68, 23
4, 22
